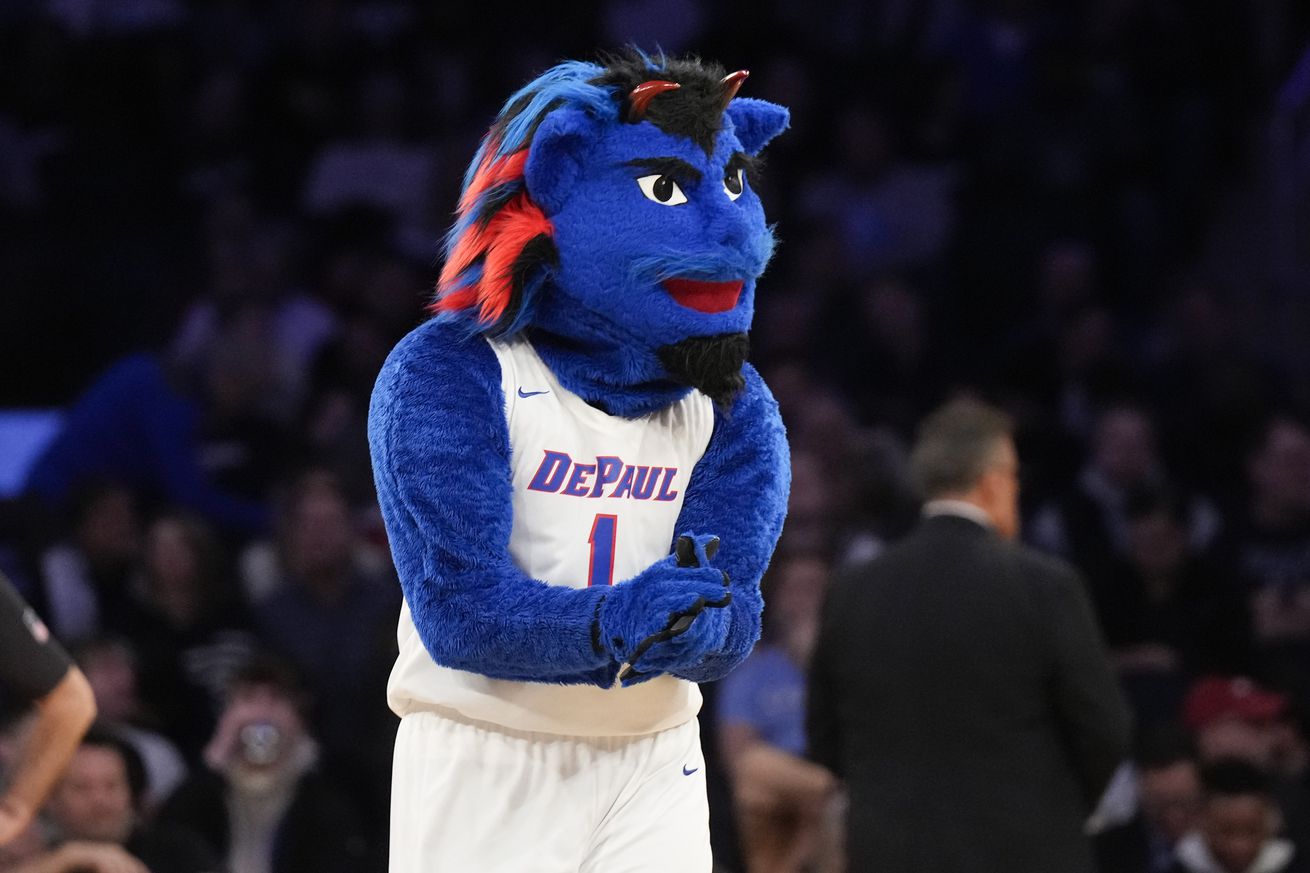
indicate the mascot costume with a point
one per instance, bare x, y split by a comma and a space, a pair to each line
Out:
581, 477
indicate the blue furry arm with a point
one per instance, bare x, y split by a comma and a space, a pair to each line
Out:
738, 492
441, 453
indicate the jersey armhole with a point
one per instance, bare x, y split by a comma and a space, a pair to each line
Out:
709, 421
508, 378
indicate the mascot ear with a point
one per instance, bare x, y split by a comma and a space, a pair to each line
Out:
755, 122
556, 156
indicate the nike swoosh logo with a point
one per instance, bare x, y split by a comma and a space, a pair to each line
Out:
686, 772
523, 393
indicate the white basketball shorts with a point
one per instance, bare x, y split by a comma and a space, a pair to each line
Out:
470, 797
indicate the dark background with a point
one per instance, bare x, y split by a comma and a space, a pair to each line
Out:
1074, 209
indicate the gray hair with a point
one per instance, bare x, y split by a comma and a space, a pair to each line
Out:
956, 445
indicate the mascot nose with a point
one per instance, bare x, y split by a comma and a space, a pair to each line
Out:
731, 231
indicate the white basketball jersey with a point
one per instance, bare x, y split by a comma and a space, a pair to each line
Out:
596, 499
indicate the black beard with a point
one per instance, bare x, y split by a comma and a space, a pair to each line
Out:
709, 363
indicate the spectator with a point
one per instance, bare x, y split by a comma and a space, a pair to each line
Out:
378, 165
189, 626
1271, 547
97, 802
251, 282
891, 213
85, 578
1238, 719
959, 685
811, 527
261, 802
1169, 613
784, 803
1291, 774
334, 423
1233, 718
1210, 386
850, 492
1291, 749
331, 588
1089, 525
144, 424
890, 366
112, 669
1169, 804
1061, 345
1239, 825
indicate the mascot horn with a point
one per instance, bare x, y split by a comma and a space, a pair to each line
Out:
581, 477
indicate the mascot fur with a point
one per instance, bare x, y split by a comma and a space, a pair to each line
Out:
581, 477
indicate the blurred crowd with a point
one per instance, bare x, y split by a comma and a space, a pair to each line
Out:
217, 217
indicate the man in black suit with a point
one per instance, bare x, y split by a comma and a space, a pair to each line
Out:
960, 686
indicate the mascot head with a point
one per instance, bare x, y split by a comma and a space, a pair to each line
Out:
610, 212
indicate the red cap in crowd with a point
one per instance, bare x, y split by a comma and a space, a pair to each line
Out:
1215, 698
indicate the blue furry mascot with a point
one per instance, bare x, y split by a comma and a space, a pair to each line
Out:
581, 478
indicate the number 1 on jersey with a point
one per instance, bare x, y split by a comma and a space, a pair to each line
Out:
604, 533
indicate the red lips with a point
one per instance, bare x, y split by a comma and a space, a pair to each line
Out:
704, 296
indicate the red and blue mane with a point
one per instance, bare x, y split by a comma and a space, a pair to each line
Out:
501, 243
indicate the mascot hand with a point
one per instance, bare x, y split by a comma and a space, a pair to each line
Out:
669, 614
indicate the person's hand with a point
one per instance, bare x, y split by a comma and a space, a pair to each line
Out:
79, 857
14, 818
223, 744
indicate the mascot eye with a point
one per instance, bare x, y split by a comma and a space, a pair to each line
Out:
734, 183
661, 189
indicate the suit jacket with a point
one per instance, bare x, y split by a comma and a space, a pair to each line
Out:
961, 688
1132, 848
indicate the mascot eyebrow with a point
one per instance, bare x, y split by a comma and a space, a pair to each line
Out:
668, 166
683, 171
500, 250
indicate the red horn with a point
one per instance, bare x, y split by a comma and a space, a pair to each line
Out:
732, 84
639, 98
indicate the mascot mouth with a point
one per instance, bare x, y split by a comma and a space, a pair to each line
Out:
704, 296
